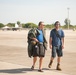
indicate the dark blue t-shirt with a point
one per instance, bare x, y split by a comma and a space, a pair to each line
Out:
56, 40
40, 36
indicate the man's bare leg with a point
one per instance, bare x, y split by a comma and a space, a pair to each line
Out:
34, 61
58, 64
40, 64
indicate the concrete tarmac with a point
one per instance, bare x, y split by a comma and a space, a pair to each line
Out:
14, 57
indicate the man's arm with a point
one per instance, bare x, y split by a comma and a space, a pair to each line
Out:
35, 39
62, 42
50, 42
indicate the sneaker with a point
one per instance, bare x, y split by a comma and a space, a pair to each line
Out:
40, 70
32, 68
58, 67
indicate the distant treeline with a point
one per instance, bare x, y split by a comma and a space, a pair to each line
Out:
33, 25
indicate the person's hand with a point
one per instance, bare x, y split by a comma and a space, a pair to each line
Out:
62, 46
35, 39
50, 46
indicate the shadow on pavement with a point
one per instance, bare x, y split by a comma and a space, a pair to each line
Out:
14, 71
22, 70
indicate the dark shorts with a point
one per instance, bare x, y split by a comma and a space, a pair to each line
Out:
57, 50
38, 50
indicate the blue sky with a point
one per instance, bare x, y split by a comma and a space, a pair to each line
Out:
34, 11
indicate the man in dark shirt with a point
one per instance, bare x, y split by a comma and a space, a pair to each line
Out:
56, 43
